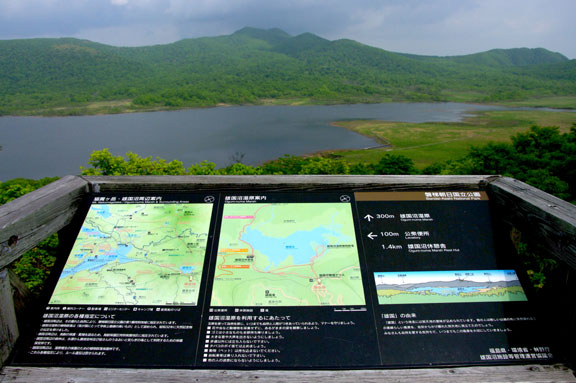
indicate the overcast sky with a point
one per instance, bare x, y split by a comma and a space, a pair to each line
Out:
430, 27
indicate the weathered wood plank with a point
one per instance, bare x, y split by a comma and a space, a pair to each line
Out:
38, 214
21, 295
531, 373
286, 182
538, 215
8, 324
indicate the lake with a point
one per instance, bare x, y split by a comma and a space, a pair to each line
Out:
36, 147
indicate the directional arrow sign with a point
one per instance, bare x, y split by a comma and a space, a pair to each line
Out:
372, 236
368, 217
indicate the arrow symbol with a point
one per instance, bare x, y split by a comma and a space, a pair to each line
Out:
368, 217
372, 236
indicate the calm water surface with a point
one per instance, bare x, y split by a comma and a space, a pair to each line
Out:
35, 147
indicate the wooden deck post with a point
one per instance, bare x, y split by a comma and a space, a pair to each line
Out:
8, 324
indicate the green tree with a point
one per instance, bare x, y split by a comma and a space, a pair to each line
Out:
547, 159
284, 165
394, 164
319, 165
239, 169
34, 267
202, 169
12, 189
105, 163
542, 157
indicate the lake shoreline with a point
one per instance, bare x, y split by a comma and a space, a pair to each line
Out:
432, 142
36, 147
126, 106
381, 140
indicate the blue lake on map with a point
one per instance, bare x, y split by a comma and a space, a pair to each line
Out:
187, 269
96, 262
94, 233
448, 291
102, 210
301, 245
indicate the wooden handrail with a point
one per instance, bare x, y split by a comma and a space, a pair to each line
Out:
37, 215
538, 215
510, 374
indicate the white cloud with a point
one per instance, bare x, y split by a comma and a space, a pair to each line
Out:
133, 35
450, 27
439, 27
141, 5
203, 8
44, 8
15, 7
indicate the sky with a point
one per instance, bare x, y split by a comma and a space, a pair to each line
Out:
427, 27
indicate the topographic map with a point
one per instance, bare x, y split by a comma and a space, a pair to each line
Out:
448, 286
137, 254
296, 254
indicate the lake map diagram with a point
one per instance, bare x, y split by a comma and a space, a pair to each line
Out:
137, 254
287, 254
462, 286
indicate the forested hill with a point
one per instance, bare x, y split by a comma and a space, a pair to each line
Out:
503, 58
254, 65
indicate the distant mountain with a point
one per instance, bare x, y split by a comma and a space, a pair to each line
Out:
62, 63
301, 45
252, 64
454, 284
517, 57
512, 57
272, 36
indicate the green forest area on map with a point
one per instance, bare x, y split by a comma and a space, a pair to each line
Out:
280, 254
137, 254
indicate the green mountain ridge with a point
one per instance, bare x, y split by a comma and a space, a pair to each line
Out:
253, 64
272, 36
513, 57
502, 57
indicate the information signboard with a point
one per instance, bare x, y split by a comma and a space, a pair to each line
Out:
287, 280
445, 292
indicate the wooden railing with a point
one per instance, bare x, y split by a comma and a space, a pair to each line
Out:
542, 219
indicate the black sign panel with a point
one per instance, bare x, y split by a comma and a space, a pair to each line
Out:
286, 280
444, 295
288, 285
130, 292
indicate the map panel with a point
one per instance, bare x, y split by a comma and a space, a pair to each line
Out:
448, 287
287, 254
137, 254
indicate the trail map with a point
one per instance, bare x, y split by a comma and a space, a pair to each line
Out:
137, 254
287, 254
